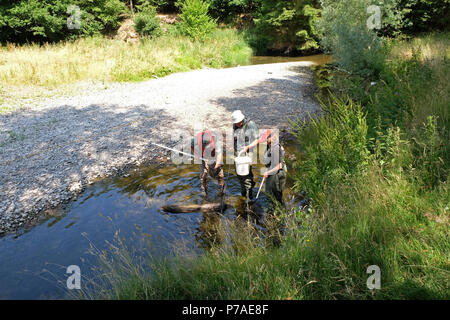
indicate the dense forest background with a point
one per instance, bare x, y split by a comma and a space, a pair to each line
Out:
286, 26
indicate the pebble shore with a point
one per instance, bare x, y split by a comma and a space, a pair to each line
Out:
52, 150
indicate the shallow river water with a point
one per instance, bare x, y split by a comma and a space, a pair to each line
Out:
33, 262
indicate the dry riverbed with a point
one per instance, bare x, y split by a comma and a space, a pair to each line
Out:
51, 150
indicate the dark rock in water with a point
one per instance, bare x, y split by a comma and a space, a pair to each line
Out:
304, 204
186, 208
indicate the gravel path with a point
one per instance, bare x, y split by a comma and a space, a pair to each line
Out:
52, 150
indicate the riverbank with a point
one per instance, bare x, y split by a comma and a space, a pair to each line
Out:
51, 150
32, 72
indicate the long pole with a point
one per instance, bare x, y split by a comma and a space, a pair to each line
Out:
262, 182
188, 154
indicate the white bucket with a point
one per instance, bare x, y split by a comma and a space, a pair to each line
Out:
242, 165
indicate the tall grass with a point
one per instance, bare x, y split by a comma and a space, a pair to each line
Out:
378, 180
367, 221
114, 60
32, 72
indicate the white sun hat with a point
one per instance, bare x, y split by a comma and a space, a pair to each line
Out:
237, 116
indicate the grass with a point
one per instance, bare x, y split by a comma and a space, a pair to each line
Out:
329, 261
382, 199
49, 67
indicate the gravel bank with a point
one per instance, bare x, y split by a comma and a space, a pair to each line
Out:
51, 151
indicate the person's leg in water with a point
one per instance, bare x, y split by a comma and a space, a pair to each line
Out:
247, 184
204, 168
219, 175
274, 189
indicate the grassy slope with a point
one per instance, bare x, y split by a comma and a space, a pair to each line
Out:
383, 200
44, 68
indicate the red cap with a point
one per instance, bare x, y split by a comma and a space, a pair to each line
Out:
265, 136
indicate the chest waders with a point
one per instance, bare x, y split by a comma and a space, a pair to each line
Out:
208, 168
247, 182
275, 183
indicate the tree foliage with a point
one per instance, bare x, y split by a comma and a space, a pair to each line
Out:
282, 26
195, 21
426, 15
145, 21
286, 25
46, 20
345, 32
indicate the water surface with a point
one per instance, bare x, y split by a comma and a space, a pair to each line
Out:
33, 262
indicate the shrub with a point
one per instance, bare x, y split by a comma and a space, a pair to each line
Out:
345, 34
285, 26
195, 21
430, 155
146, 23
33, 20
336, 146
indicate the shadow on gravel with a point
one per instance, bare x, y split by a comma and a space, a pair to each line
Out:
273, 101
43, 151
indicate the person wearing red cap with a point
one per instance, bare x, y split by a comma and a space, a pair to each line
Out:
274, 162
244, 132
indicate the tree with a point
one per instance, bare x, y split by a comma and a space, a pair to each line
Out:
345, 32
195, 21
286, 25
46, 20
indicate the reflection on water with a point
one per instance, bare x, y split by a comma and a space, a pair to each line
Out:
315, 59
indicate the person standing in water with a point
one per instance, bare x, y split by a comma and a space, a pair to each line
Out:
275, 174
207, 145
244, 131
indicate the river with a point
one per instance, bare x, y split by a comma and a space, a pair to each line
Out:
34, 261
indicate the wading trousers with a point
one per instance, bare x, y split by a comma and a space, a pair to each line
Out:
205, 170
247, 184
275, 184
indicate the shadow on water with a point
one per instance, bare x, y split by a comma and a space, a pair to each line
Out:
34, 263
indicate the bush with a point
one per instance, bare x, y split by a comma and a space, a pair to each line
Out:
33, 20
346, 35
286, 26
336, 145
195, 21
426, 15
146, 23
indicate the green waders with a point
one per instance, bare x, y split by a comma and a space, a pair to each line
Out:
275, 185
243, 137
275, 182
247, 183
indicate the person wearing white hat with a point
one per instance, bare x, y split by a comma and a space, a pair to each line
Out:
245, 131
